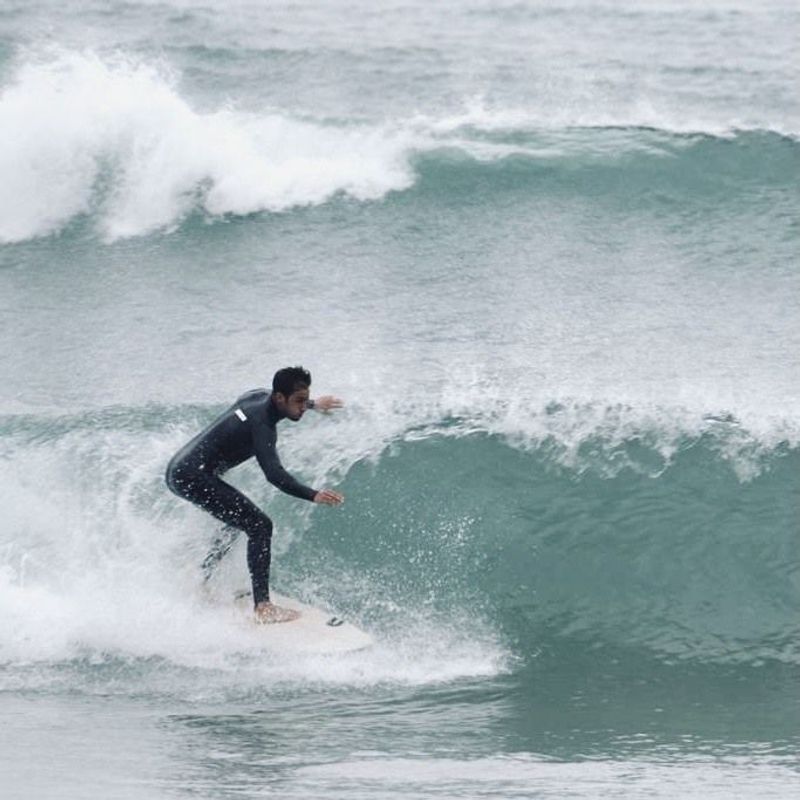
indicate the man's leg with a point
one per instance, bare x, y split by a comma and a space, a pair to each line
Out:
230, 506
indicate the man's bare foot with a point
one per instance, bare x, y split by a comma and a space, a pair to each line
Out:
267, 613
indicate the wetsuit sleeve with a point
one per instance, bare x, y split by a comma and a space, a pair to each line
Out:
268, 460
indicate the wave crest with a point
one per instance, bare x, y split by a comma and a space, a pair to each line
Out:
131, 150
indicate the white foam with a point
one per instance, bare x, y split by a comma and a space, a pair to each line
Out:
77, 131
91, 567
112, 613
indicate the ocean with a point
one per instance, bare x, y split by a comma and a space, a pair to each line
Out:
546, 253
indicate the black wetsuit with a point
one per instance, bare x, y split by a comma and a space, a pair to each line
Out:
246, 429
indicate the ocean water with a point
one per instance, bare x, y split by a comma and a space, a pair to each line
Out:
547, 253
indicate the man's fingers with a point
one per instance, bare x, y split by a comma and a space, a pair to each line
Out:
328, 402
329, 497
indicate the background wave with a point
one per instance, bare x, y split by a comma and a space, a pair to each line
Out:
133, 155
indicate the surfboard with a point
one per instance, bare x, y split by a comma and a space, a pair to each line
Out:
314, 631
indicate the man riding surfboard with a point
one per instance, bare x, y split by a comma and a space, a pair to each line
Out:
248, 428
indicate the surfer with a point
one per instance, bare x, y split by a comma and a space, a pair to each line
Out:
248, 428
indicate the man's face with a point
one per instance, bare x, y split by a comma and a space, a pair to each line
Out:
294, 406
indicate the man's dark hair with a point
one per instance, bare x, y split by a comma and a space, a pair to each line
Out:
289, 379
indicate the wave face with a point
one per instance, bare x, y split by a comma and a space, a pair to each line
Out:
682, 560
135, 156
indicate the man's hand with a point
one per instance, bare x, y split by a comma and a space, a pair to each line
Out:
328, 497
327, 403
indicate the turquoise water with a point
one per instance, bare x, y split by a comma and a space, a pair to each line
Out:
547, 253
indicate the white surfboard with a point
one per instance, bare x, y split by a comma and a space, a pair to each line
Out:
314, 631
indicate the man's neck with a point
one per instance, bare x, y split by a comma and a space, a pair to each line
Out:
273, 413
